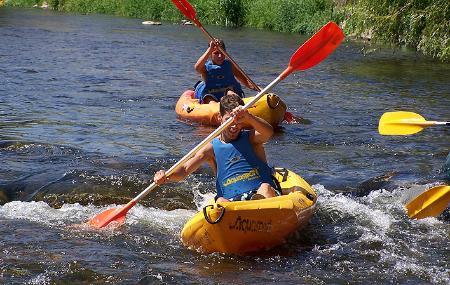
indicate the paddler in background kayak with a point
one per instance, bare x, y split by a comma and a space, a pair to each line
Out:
237, 156
218, 74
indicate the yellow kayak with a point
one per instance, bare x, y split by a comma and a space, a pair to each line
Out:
247, 226
270, 108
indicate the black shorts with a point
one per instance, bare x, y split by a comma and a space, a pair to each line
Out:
241, 197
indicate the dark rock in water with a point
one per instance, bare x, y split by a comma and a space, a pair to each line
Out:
3, 197
171, 199
186, 22
58, 200
172, 204
6, 144
162, 200
380, 182
445, 216
13, 191
151, 23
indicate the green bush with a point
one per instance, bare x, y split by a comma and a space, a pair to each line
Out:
420, 24
22, 3
289, 15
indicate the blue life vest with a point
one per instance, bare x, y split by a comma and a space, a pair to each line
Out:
218, 79
239, 169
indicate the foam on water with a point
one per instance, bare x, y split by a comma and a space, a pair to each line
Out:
42, 213
169, 221
348, 207
202, 200
375, 227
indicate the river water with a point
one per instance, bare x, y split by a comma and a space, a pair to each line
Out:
87, 117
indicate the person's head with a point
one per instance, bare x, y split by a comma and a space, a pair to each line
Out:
221, 43
230, 101
227, 104
217, 56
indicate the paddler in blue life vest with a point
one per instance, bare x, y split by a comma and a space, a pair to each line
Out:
237, 156
218, 74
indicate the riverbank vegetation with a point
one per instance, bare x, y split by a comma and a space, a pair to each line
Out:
420, 24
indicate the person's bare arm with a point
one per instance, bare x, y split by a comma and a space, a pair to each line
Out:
200, 64
205, 155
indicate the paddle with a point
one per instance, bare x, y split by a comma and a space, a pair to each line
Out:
313, 51
404, 123
430, 203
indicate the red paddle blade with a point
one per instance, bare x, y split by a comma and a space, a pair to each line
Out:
316, 49
186, 8
290, 118
114, 215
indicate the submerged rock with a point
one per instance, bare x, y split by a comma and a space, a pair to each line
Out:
3, 197
186, 22
43, 6
383, 181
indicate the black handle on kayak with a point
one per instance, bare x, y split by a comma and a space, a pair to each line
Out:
218, 219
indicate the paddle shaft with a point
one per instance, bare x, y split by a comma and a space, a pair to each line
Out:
439, 123
423, 124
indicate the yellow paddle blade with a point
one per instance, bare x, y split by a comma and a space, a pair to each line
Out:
401, 123
430, 203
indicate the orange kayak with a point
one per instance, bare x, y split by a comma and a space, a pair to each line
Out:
270, 108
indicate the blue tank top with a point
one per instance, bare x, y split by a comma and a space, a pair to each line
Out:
239, 169
218, 79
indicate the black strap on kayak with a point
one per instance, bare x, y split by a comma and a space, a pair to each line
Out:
277, 184
218, 219
283, 172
